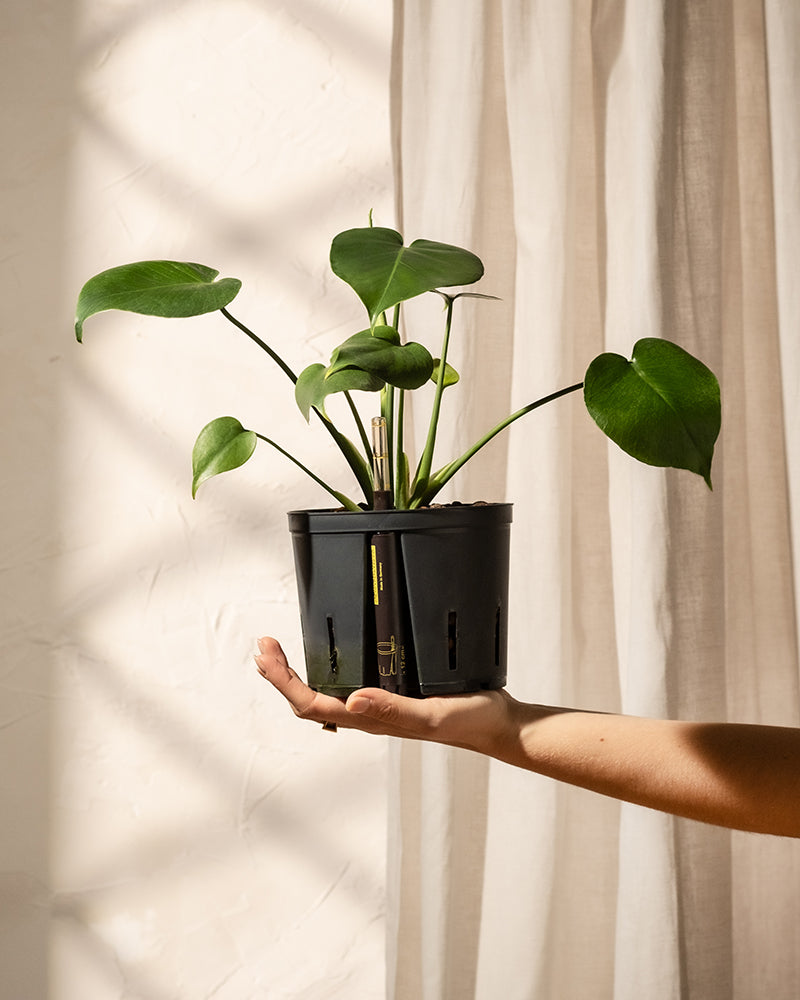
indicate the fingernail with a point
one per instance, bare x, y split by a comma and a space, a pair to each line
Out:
260, 664
358, 704
260, 644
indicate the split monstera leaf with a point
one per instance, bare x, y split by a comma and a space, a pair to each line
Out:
662, 406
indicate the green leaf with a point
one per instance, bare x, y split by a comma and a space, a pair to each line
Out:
451, 376
383, 272
221, 445
312, 386
379, 352
662, 407
165, 288
381, 336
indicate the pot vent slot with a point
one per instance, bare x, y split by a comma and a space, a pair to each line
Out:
333, 655
498, 618
452, 640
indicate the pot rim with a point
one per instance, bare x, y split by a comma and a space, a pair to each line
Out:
340, 521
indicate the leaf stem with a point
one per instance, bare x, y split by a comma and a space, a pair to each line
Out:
264, 347
387, 412
362, 433
343, 500
448, 471
400, 484
426, 460
360, 469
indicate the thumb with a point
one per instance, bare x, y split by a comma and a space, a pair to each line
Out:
385, 707
368, 702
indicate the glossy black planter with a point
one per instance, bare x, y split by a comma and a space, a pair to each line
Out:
453, 584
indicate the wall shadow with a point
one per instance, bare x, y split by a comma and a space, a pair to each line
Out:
38, 77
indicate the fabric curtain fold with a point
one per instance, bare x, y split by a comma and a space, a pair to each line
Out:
624, 170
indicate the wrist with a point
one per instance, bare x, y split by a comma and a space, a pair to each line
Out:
524, 739
511, 730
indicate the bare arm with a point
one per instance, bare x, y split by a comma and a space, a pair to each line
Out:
740, 776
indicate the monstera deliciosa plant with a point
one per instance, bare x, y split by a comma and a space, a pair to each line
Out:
662, 405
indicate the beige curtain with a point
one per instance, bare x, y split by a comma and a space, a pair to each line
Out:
625, 169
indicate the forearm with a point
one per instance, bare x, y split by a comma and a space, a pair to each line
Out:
745, 777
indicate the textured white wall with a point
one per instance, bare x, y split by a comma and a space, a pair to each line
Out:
169, 829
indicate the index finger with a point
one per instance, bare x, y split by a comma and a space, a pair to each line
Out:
381, 712
306, 704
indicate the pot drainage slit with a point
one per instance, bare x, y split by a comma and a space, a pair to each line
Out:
333, 655
452, 640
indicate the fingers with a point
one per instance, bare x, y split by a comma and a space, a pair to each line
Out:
273, 665
371, 710
465, 720
306, 704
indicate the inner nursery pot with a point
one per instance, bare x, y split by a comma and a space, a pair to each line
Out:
449, 576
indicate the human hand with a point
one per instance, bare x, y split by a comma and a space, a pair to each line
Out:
481, 721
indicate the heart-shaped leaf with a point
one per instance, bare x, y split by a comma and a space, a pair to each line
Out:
379, 351
221, 445
382, 334
662, 406
383, 272
155, 288
312, 386
451, 376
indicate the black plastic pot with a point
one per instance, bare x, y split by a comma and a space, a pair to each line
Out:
453, 584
